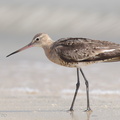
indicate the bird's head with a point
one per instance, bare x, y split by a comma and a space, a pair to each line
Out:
39, 40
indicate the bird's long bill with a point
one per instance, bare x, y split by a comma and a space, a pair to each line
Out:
27, 46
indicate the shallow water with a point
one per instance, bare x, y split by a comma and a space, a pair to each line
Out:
47, 78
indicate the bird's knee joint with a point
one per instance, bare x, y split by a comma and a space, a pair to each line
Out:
77, 85
87, 84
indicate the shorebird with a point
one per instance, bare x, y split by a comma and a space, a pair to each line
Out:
75, 52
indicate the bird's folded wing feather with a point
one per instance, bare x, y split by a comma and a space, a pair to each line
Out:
82, 49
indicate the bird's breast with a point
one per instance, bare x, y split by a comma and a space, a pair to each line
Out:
55, 58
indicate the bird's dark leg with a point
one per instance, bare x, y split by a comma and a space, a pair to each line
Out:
87, 90
77, 87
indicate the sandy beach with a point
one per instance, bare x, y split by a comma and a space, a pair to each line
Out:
35, 107
28, 93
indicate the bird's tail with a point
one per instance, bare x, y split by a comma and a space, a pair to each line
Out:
115, 59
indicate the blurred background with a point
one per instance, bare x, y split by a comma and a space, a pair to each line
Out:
30, 71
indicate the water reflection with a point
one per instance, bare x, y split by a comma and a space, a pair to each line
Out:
80, 116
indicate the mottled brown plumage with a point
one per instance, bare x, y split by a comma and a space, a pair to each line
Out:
85, 50
76, 52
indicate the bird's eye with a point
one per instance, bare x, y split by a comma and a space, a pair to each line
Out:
37, 39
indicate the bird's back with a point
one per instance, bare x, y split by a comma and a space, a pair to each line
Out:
86, 50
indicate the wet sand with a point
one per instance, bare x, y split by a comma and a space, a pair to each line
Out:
28, 93
37, 107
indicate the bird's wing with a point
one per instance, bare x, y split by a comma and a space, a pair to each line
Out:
82, 49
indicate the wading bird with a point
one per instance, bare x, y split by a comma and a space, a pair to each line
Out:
76, 52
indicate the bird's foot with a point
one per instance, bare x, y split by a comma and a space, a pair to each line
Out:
70, 110
88, 110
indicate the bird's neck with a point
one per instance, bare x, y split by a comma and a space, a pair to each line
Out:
47, 47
